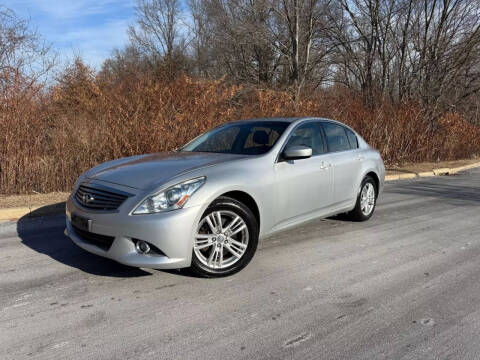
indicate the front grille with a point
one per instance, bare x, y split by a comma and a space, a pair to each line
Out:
97, 197
104, 242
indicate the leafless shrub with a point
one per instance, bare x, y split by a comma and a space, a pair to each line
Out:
85, 120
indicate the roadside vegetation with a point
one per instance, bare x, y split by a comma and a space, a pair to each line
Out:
404, 73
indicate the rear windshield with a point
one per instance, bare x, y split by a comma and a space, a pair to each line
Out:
249, 138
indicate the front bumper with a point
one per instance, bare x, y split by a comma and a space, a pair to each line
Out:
171, 232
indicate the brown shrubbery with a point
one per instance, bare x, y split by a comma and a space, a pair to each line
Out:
51, 137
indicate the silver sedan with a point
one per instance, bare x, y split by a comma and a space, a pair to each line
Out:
206, 205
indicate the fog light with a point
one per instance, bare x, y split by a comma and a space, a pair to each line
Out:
142, 247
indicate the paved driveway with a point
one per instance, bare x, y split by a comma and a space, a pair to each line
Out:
404, 285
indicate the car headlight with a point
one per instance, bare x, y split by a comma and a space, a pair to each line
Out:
175, 197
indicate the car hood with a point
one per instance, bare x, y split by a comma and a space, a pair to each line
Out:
147, 171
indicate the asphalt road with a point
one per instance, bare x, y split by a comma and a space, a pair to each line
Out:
404, 285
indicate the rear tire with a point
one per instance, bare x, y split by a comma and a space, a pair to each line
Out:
226, 239
366, 201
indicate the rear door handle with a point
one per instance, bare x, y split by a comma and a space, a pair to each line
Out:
360, 157
325, 165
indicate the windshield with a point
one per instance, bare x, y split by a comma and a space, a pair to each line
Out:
250, 138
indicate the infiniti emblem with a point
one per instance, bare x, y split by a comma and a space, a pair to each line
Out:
87, 198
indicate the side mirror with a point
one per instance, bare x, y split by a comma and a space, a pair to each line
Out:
295, 152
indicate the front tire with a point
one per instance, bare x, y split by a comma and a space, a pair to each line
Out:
366, 200
225, 240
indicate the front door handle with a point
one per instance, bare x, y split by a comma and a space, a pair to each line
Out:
360, 157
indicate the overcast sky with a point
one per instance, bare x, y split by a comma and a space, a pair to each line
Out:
89, 28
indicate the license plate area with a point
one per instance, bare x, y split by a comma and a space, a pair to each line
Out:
81, 222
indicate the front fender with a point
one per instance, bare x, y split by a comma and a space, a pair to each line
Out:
239, 188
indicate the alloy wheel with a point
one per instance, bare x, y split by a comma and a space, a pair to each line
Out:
367, 199
221, 239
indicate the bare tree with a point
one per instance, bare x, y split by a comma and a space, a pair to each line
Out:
126, 62
361, 30
233, 37
426, 51
201, 41
24, 57
446, 43
300, 29
271, 42
158, 31
422, 50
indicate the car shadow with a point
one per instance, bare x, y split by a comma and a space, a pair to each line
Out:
184, 272
45, 235
341, 217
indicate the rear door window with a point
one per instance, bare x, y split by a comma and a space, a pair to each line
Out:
336, 137
352, 138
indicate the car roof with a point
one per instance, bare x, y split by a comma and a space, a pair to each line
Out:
292, 120
285, 119
289, 120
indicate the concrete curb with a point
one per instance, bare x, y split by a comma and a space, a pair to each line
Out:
426, 174
12, 214
434, 172
400, 176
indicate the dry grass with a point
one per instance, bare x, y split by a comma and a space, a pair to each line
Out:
429, 166
51, 137
32, 200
